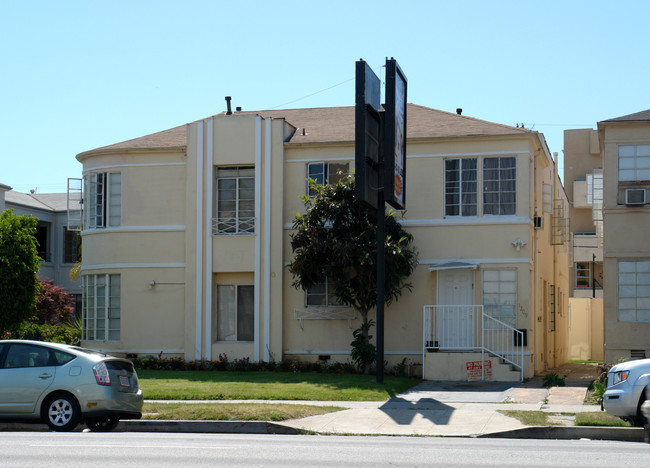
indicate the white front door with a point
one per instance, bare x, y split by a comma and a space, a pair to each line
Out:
454, 317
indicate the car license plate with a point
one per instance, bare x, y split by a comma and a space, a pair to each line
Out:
124, 381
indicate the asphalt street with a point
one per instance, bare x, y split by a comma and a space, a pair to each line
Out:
72, 450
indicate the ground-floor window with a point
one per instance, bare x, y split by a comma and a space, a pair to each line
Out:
500, 295
235, 312
101, 307
634, 291
321, 294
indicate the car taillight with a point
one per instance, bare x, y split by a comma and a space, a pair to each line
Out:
101, 374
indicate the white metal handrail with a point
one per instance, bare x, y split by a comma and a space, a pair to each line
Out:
468, 327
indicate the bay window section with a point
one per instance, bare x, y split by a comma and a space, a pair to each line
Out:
101, 307
103, 197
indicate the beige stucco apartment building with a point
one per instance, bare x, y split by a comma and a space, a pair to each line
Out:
186, 240
625, 147
583, 179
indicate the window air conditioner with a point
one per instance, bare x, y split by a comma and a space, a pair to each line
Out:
635, 196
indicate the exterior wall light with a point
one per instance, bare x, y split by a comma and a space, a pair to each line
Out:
518, 244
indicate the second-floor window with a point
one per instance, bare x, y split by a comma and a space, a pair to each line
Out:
326, 173
460, 187
235, 200
71, 251
633, 163
497, 183
103, 198
499, 186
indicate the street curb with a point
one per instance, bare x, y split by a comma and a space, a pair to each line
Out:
621, 434
207, 427
188, 427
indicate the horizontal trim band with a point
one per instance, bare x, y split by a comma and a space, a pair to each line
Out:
115, 166
161, 228
344, 352
124, 266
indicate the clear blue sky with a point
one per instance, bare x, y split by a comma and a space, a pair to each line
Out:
77, 75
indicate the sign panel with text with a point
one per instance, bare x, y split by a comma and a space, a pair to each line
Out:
395, 136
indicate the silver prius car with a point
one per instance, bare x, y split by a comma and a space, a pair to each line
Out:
65, 385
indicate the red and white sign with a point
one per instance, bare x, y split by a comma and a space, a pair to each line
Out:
475, 370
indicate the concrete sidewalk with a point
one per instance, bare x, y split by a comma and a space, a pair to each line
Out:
468, 409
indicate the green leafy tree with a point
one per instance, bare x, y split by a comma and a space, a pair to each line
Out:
19, 265
337, 239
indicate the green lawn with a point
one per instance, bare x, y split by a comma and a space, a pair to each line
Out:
231, 411
207, 385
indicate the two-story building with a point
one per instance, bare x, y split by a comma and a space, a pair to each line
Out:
625, 148
186, 238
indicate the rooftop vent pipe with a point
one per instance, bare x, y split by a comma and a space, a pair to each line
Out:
229, 111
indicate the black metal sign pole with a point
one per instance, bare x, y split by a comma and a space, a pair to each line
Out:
381, 275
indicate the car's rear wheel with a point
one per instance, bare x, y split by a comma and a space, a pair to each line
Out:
61, 412
105, 424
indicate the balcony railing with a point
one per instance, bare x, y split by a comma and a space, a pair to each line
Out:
468, 328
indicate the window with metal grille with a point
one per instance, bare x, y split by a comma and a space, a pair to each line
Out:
551, 308
235, 201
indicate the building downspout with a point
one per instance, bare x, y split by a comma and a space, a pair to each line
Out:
535, 299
